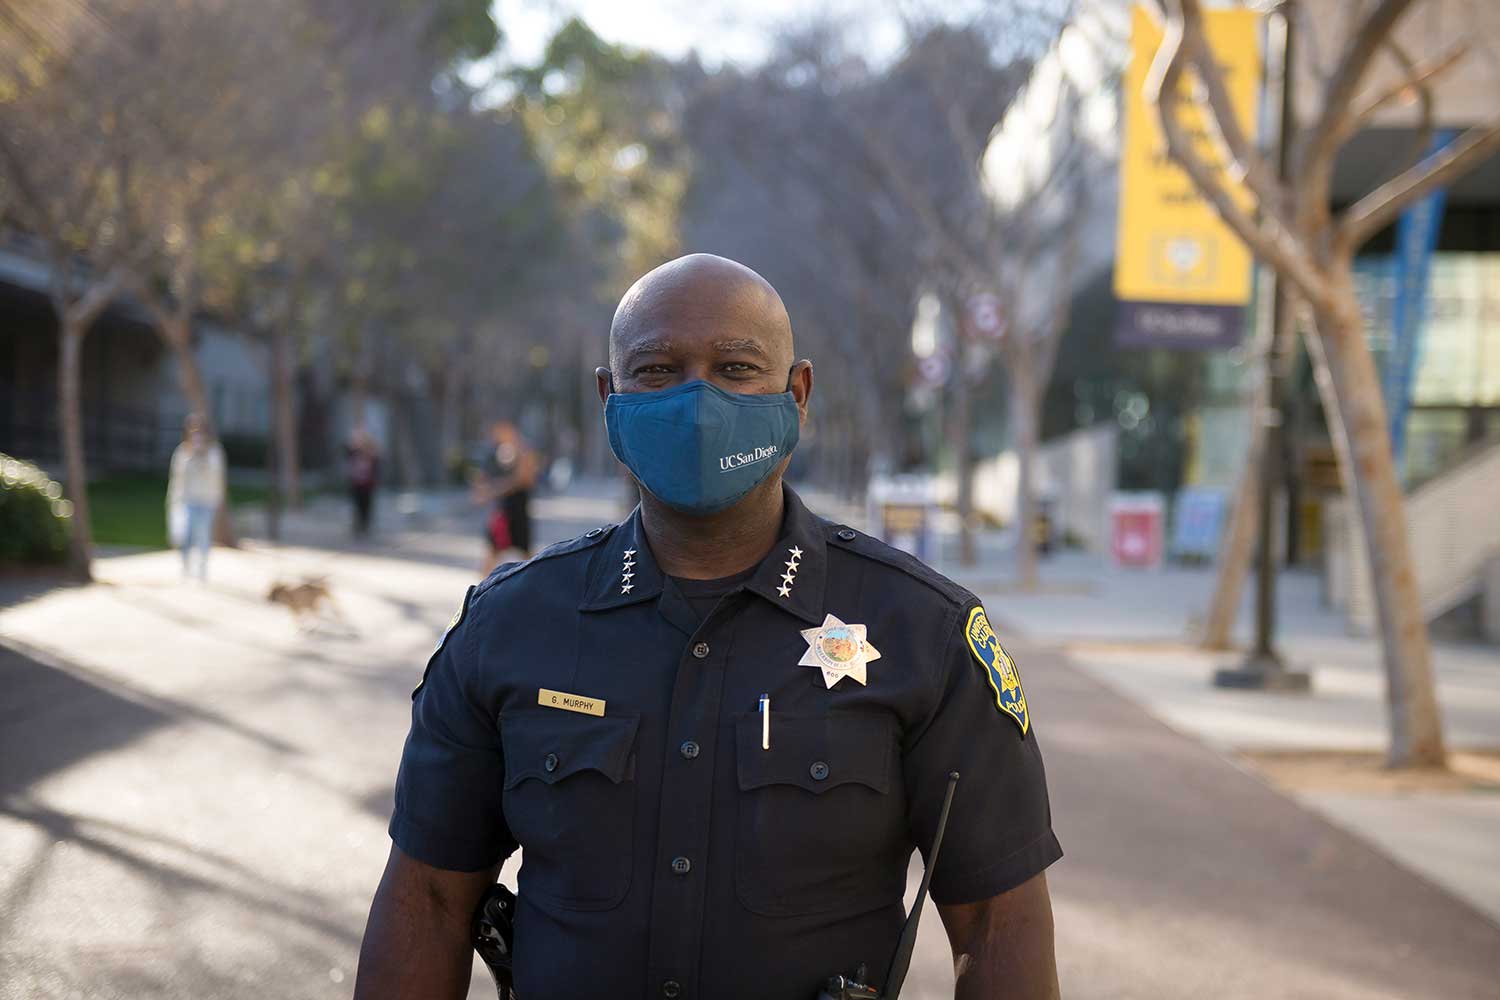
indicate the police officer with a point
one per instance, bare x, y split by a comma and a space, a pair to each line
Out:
717, 730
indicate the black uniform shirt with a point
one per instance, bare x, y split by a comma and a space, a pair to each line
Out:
665, 852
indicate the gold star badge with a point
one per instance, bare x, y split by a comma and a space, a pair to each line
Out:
839, 650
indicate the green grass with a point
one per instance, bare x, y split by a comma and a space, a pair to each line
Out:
132, 510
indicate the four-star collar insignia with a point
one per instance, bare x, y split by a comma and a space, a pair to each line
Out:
627, 572
838, 649
790, 576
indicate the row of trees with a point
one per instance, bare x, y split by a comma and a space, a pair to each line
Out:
294, 166
319, 172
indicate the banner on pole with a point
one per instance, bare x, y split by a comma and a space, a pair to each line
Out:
1182, 277
1416, 239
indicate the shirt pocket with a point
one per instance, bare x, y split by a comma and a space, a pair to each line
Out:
570, 803
819, 827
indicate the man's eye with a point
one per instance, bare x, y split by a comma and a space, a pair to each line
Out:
736, 368
653, 370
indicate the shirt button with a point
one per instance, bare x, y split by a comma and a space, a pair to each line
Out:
689, 750
671, 988
593, 533
550, 762
819, 770
681, 866
700, 650
846, 534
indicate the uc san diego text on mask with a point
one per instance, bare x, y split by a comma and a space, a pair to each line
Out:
741, 458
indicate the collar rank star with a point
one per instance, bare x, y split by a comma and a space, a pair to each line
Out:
627, 572
790, 576
839, 650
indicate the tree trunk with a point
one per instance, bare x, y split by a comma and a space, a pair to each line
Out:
1370, 478
178, 331
69, 361
284, 419
179, 336
1024, 418
963, 460
1237, 551
450, 419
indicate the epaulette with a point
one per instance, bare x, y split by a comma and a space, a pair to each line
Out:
587, 540
861, 544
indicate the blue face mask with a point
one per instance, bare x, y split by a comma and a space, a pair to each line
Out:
697, 448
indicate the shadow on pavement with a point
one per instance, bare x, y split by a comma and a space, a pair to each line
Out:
53, 715
17, 586
56, 713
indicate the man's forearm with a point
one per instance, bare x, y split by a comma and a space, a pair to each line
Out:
1003, 947
416, 943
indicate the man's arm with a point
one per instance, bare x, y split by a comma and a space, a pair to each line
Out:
1002, 946
417, 940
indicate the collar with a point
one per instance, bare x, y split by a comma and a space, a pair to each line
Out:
624, 571
792, 575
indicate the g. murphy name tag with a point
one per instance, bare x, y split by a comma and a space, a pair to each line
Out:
570, 702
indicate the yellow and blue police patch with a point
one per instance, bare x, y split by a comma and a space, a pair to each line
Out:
999, 668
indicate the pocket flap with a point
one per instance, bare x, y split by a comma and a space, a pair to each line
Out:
552, 746
816, 753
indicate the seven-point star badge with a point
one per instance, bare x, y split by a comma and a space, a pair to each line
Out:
837, 649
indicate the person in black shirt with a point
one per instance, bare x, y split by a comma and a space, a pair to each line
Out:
510, 474
718, 730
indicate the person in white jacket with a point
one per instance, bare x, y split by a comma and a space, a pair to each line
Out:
195, 490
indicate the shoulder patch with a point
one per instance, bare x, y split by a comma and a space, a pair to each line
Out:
873, 548
453, 623
999, 668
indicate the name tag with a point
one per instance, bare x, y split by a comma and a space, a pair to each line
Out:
570, 702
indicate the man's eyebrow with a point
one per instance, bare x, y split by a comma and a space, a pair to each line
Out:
649, 347
742, 344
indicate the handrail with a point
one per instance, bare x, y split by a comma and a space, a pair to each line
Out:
1454, 529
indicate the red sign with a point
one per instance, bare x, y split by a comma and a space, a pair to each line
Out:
1135, 535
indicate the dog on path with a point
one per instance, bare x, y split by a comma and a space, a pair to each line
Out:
310, 602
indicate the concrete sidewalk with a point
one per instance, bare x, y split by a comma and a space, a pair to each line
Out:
193, 796
1127, 629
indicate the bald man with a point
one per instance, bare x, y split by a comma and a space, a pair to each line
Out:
717, 730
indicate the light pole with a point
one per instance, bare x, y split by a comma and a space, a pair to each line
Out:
1264, 669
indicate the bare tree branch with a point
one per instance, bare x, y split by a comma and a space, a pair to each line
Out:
1380, 207
1276, 244
1062, 296
1236, 146
1427, 112
1314, 162
1417, 78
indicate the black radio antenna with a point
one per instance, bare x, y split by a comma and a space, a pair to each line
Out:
901, 960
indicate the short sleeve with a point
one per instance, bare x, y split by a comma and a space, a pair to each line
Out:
448, 790
999, 831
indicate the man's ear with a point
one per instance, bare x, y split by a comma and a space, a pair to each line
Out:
802, 386
604, 383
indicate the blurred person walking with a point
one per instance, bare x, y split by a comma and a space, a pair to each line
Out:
362, 457
510, 474
195, 490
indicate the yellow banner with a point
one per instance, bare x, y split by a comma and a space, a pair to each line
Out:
1171, 246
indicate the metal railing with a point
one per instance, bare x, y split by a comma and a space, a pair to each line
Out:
1454, 525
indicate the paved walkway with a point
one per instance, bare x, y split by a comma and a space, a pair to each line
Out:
1127, 628
193, 797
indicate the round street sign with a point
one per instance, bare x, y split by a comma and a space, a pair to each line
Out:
984, 313
934, 369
